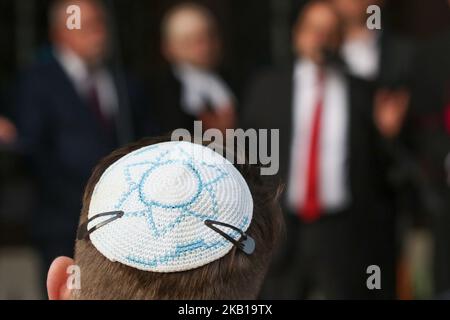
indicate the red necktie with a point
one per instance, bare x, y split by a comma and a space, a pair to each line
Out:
94, 104
310, 210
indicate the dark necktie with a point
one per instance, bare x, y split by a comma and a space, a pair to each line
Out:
94, 104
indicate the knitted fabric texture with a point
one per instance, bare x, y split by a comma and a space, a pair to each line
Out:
166, 192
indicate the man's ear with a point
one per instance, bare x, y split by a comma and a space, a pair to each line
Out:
57, 279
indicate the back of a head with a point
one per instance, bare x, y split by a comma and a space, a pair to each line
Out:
234, 275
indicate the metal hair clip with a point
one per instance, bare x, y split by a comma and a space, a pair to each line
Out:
245, 243
83, 231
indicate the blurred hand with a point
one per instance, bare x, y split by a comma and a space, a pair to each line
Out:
8, 132
222, 119
390, 109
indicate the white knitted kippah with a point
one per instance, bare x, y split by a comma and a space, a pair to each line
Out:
166, 192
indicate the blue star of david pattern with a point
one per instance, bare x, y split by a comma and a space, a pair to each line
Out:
135, 185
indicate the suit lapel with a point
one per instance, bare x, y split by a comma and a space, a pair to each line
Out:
73, 107
285, 111
74, 103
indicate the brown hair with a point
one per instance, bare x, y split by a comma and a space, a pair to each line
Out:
234, 276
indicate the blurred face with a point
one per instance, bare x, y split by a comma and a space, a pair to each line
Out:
315, 32
90, 42
191, 39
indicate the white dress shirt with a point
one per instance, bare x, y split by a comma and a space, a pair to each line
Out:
78, 73
333, 154
362, 56
201, 88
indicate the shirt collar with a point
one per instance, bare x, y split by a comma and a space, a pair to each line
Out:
305, 69
72, 64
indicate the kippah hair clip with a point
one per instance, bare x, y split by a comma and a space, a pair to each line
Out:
245, 243
83, 231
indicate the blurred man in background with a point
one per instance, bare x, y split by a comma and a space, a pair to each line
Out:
429, 131
192, 89
372, 54
379, 57
385, 61
332, 162
71, 111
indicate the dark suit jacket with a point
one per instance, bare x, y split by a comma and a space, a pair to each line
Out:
64, 141
396, 61
269, 105
428, 135
167, 90
369, 221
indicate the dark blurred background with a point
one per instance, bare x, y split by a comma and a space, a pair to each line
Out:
256, 34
